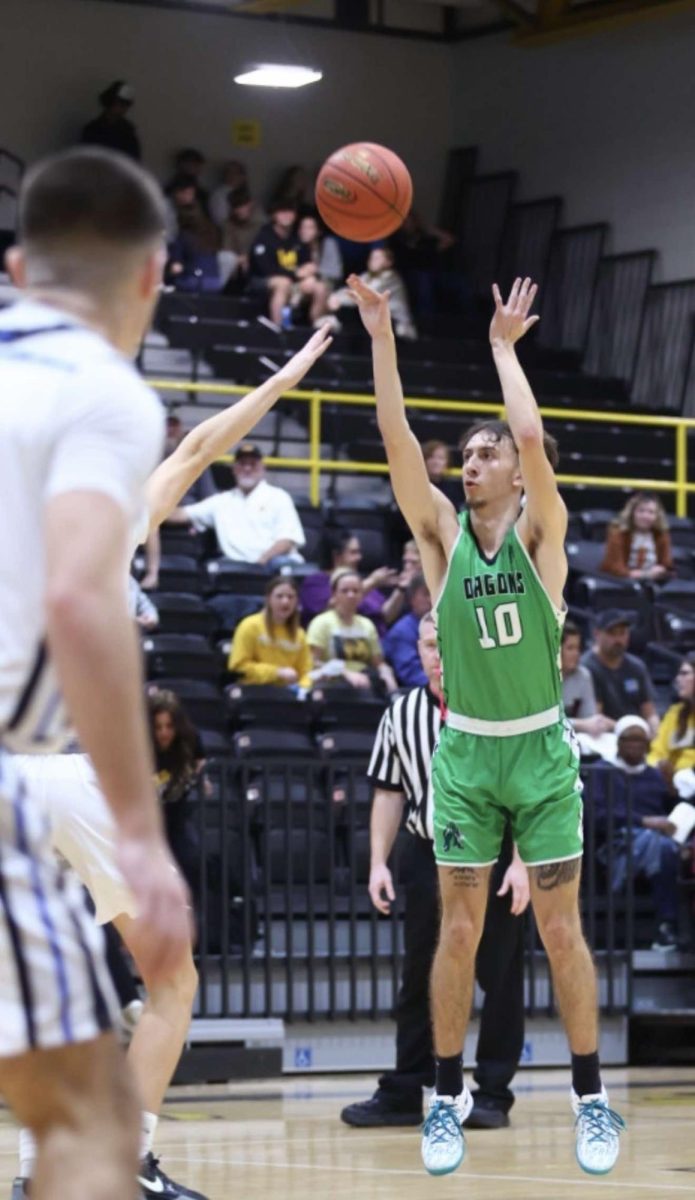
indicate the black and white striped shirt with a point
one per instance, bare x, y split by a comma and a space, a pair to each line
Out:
402, 755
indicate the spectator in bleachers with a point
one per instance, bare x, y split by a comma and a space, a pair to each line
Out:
381, 276
193, 264
345, 645
276, 256
578, 695
234, 179
111, 128
295, 184
254, 522
179, 761
271, 646
418, 250
325, 259
141, 607
191, 162
653, 855
436, 456
621, 680
239, 231
204, 485
341, 548
638, 544
401, 642
673, 748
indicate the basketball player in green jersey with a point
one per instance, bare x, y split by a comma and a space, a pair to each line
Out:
497, 573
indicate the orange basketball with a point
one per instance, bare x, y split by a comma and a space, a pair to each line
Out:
364, 192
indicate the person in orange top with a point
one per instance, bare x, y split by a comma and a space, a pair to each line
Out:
638, 545
270, 646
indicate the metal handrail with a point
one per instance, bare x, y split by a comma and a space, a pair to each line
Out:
314, 464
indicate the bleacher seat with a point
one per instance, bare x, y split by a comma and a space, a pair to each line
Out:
215, 744
595, 522
266, 704
180, 573
346, 708
273, 744
180, 612
243, 579
203, 701
188, 655
179, 539
347, 743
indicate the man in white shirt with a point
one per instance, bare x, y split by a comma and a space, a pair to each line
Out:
79, 433
254, 522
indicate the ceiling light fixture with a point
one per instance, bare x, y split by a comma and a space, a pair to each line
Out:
278, 75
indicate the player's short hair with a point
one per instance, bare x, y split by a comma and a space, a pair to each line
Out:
498, 430
89, 196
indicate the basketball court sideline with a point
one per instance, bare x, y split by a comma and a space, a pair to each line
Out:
284, 1138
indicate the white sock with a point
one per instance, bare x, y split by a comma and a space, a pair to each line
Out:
148, 1129
27, 1153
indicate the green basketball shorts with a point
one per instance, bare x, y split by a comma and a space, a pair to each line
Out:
531, 780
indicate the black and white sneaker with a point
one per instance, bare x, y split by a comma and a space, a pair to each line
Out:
154, 1182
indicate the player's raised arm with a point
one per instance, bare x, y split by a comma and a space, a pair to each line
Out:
214, 437
422, 505
545, 509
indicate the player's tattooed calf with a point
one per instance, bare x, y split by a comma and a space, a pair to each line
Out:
465, 877
552, 875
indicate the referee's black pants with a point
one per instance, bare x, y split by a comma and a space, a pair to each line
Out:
499, 972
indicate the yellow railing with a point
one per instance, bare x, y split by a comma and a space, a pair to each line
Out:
314, 464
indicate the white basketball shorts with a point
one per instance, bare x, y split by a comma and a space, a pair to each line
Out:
83, 829
54, 985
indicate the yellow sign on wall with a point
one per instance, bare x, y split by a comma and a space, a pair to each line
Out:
246, 133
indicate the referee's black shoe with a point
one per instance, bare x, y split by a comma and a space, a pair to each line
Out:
486, 1114
153, 1182
384, 1108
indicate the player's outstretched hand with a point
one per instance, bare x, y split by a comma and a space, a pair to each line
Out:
162, 899
301, 362
516, 881
381, 891
373, 307
511, 320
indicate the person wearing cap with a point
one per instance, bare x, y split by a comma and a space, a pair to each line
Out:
254, 522
111, 128
621, 680
277, 255
637, 794
240, 229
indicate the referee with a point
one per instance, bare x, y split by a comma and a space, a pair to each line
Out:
400, 771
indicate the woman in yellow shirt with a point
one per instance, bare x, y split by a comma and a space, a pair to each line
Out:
673, 748
270, 646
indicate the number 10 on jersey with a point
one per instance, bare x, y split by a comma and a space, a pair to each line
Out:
507, 622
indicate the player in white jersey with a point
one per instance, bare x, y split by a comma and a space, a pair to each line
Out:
82, 827
79, 433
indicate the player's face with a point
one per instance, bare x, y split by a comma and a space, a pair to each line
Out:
685, 681
490, 469
348, 595
164, 731
429, 654
569, 653
351, 555
645, 516
282, 603
633, 745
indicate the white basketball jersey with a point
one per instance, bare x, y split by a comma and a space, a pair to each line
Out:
74, 416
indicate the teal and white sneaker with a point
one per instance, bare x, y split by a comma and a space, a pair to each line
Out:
598, 1130
443, 1142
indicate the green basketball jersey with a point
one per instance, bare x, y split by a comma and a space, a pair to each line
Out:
499, 633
